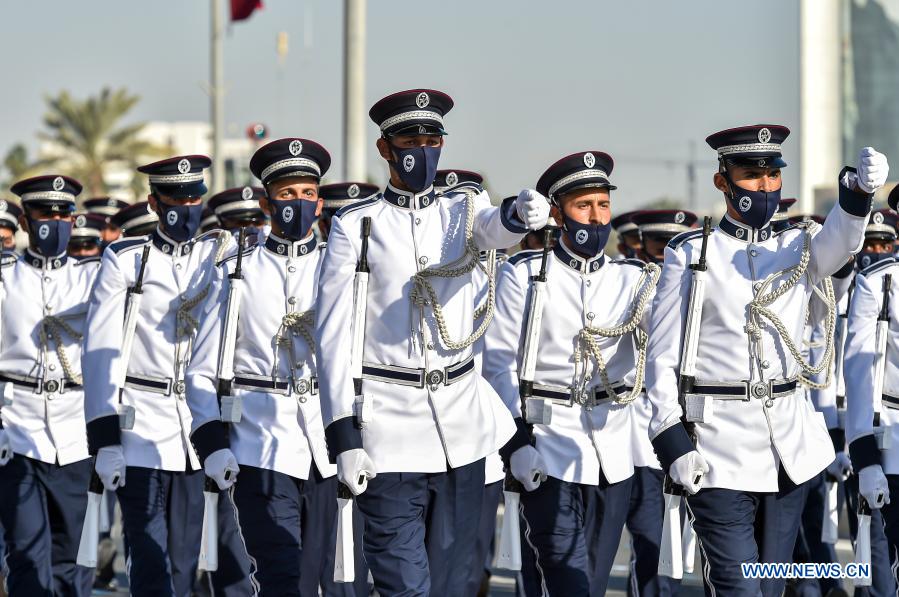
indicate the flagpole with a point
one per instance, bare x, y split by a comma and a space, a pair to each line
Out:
354, 91
218, 98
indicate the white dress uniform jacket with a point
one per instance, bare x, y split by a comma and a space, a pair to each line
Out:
45, 419
861, 393
280, 427
746, 440
177, 280
416, 425
581, 441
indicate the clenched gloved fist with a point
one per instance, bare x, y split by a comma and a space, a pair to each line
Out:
110, 467
532, 209
688, 471
528, 467
221, 467
872, 484
354, 469
872, 170
840, 467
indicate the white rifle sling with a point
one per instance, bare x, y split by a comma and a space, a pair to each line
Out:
830, 522
209, 551
671, 552
508, 552
881, 431
229, 332
344, 557
863, 542
688, 545
360, 294
90, 532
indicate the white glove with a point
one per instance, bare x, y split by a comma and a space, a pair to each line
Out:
354, 469
110, 467
688, 471
528, 467
872, 484
532, 209
840, 467
872, 170
221, 466
5, 448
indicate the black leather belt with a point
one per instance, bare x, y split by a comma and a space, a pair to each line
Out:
565, 396
37, 385
890, 401
408, 376
157, 385
746, 390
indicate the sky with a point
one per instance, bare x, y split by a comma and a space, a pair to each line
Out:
532, 80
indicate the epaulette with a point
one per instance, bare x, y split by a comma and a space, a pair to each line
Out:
522, 256
88, 260
354, 206
680, 239
477, 188
876, 267
8, 258
213, 235
787, 229
246, 251
128, 243
631, 261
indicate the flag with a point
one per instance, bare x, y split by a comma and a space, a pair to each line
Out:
242, 9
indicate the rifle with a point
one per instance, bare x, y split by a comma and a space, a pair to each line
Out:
132, 311
209, 541
863, 541
229, 404
671, 553
90, 530
344, 558
839, 351
535, 411
881, 432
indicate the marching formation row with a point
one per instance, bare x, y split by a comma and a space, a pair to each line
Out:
296, 417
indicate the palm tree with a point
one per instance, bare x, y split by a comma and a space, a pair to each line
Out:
17, 165
87, 135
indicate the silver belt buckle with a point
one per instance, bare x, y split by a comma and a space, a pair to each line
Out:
51, 386
179, 387
435, 378
301, 387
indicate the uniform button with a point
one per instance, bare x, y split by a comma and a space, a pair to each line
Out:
180, 387
588, 282
423, 260
46, 278
590, 316
757, 286
48, 309
292, 300
754, 253
417, 221
303, 400
183, 297
177, 266
766, 364
430, 346
52, 367
291, 269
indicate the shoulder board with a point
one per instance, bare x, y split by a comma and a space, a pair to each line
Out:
213, 234
233, 256
680, 239
8, 258
353, 207
787, 229
522, 256
631, 261
876, 267
88, 260
460, 188
128, 243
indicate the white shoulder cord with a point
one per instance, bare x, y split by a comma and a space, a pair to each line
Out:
758, 309
52, 328
588, 346
423, 292
491, 273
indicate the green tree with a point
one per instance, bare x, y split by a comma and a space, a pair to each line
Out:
88, 135
17, 165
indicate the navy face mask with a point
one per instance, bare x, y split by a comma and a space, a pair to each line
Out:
51, 236
180, 222
587, 239
866, 258
756, 208
294, 217
416, 166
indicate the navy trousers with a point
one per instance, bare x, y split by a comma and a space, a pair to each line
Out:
319, 531
482, 554
735, 527
891, 525
420, 529
882, 581
809, 547
42, 510
645, 516
233, 577
162, 516
574, 531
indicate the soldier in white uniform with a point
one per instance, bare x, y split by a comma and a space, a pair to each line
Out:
136, 220
877, 470
9, 224
286, 492
44, 463
588, 371
239, 208
757, 438
338, 195
427, 421
149, 460
106, 207
647, 506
